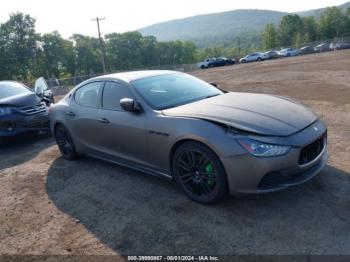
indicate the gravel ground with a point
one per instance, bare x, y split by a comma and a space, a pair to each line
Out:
52, 206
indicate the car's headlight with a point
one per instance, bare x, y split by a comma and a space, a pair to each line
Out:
260, 149
5, 111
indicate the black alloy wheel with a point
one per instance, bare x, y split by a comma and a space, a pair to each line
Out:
199, 172
65, 143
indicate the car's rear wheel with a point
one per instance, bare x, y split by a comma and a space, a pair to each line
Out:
65, 143
199, 172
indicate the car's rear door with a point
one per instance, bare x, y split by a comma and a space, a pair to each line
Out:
122, 134
81, 115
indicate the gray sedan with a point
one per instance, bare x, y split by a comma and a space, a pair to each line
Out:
176, 126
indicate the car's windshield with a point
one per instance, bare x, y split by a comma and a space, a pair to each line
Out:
170, 90
8, 89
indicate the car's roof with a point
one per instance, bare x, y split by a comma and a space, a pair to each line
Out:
136, 75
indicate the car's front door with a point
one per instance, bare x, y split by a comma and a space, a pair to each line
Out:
250, 58
122, 134
82, 114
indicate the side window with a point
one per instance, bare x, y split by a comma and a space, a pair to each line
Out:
112, 93
89, 95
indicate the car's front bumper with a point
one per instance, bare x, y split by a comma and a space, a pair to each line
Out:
249, 174
16, 123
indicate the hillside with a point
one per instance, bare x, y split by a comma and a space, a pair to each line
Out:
317, 12
201, 26
216, 26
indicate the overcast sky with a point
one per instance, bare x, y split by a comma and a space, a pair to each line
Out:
74, 16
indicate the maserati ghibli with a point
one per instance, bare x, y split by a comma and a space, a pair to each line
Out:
174, 125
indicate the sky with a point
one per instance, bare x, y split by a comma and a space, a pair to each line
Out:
75, 16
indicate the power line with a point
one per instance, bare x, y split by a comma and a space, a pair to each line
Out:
97, 19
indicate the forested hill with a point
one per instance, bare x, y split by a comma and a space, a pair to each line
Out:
215, 27
231, 23
317, 12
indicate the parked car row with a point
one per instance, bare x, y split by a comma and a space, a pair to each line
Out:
214, 62
273, 54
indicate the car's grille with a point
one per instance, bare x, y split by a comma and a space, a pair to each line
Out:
313, 150
32, 110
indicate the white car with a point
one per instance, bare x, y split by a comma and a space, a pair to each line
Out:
253, 57
289, 52
206, 63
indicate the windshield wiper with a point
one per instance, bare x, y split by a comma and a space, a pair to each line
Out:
186, 102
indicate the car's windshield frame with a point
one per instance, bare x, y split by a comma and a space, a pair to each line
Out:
172, 105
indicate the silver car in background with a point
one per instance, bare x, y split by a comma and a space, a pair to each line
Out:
287, 52
254, 57
176, 126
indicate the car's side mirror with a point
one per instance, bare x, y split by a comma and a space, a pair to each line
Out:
40, 87
130, 105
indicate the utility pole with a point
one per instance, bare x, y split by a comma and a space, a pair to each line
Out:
97, 19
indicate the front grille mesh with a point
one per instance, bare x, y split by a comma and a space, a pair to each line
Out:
313, 150
32, 110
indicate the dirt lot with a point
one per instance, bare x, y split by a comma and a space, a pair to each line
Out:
52, 206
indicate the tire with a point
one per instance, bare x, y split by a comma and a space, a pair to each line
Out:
243, 61
259, 59
202, 67
65, 143
199, 172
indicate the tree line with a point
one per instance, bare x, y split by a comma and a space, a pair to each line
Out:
294, 30
26, 54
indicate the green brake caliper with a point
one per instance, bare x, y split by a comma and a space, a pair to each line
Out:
209, 169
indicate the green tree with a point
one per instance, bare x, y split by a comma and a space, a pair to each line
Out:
269, 36
310, 30
87, 54
347, 22
58, 55
18, 44
124, 51
289, 27
333, 23
149, 50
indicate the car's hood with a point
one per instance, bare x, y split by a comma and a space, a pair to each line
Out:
257, 113
20, 100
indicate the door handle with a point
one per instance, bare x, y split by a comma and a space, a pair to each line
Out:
104, 120
70, 113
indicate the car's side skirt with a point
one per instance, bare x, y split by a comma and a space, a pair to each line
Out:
135, 166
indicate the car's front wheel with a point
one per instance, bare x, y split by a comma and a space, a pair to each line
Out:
199, 172
65, 142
